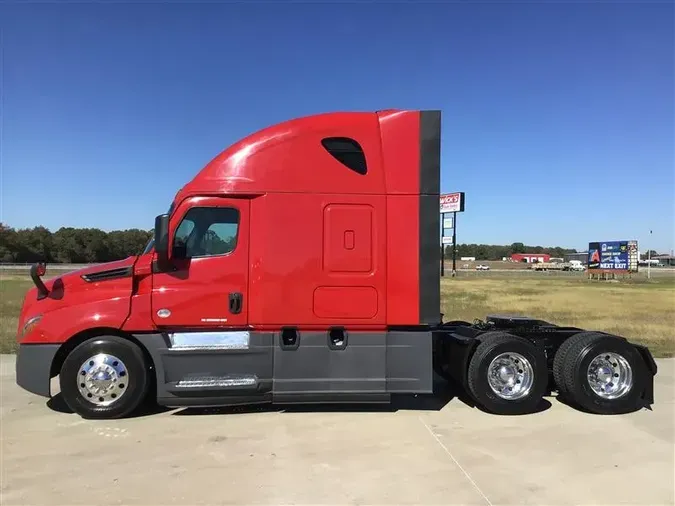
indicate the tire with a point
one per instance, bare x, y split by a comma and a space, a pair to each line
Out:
104, 377
513, 350
559, 361
620, 360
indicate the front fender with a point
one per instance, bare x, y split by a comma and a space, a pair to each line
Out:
59, 325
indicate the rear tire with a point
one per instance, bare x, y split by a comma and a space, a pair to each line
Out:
104, 377
507, 374
561, 356
604, 374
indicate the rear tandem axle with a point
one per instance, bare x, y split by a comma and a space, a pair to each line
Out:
508, 363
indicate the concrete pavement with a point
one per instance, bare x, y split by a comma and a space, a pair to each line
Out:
433, 451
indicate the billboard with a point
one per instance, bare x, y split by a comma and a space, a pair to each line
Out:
611, 255
633, 256
452, 202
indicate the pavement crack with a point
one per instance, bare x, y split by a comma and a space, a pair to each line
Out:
445, 448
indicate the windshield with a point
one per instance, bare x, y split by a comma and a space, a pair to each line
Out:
148, 247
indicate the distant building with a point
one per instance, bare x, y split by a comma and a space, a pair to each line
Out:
582, 257
530, 257
665, 259
468, 259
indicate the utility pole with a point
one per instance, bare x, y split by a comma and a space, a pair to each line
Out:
442, 258
454, 243
649, 257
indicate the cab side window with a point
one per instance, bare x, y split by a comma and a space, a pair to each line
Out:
207, 231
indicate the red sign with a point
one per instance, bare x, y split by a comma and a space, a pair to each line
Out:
452, 202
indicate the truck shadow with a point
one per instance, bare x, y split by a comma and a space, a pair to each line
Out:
578, 407
430, 402
58, 404
444, 393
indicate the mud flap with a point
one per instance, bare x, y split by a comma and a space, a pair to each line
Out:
651, 368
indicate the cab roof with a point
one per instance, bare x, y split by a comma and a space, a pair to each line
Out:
375, 152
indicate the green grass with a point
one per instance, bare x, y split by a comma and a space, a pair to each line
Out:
640, 310
12, 290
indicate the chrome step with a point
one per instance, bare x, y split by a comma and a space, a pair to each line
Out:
217, 382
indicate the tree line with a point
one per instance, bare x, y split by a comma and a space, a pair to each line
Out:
497, 252
92, 245
69, 245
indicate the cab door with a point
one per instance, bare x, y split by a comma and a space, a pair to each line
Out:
206, 282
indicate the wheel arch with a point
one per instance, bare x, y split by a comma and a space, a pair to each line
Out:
77, 339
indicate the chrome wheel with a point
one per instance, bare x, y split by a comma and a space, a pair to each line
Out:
610, 375
510, 376
102, 379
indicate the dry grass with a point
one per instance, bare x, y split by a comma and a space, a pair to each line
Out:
12, 290
640, 311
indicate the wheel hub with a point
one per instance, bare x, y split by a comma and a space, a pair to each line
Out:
102, 379
610, 375
507, 374
510, 376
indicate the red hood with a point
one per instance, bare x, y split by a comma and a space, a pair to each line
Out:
111, 280
76, 276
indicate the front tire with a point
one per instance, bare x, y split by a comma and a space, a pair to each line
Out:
604, 374
104, 377
507, 374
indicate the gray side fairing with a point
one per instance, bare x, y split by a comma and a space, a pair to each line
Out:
175, 365
369, 368
33, 367
313, 367
409, 362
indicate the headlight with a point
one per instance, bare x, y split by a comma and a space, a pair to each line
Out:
30, 324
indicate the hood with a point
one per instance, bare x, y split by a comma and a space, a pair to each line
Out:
96, 273
94, 282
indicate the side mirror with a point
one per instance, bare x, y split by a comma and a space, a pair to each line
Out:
162, 237
179, 251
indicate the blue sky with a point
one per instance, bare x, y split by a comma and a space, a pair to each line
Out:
558, 117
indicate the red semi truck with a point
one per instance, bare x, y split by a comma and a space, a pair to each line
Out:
301, 265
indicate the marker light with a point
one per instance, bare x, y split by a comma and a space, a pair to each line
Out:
30, 324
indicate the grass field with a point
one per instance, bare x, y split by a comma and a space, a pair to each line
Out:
13, 287
639, 310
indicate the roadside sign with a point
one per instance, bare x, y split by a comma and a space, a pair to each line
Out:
447, 239
608, 255
447, 223
452, 202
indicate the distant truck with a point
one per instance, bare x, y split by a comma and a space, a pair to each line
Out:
576, 265
301, 265
572, 265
